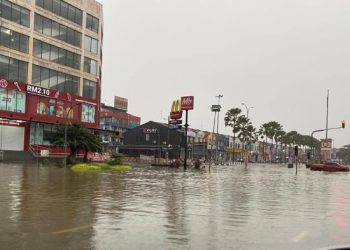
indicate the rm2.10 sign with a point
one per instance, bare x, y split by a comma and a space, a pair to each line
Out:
38, 90
187, 102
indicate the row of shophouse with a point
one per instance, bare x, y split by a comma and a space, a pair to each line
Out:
159, 140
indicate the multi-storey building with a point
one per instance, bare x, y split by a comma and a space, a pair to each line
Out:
50, 68
114, 122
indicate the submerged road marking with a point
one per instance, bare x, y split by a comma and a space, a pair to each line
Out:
300, 237
71, 230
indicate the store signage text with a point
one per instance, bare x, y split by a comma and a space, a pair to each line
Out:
36, 90
150, 131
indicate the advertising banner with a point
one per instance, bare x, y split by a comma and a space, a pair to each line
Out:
121, 103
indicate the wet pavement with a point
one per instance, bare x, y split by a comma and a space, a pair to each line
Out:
262, 207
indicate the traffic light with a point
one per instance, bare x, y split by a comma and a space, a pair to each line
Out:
296, 149
343, 124
308, 155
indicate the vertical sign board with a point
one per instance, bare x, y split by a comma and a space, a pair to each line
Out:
326, 149
187, 103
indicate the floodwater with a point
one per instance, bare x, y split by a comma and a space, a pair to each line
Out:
262, 207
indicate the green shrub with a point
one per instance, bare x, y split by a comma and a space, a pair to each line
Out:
117, 160
83, 167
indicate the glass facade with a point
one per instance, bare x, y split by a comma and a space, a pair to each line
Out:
14, 13
12, 69
90, 44
13, 40
40, 134
92, 23
89, 89
88, 113
90, 66
63, 9
58, 31
12, 100
53, 79
55, 54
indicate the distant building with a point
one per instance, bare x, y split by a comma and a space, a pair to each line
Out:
114, 122
154, 139
50, 68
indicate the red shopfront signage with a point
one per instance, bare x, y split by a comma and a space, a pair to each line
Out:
47, 105
11, 123
187, 102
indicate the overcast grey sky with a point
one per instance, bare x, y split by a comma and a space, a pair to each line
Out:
279, 56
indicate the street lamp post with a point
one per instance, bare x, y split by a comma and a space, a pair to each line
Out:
65, 132
247, 110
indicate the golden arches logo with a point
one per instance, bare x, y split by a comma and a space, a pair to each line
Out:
176, 112
176, 107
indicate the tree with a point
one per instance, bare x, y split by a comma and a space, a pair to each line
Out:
231, 118
344, 154
78, 138
276, 133
246, 132
265, 132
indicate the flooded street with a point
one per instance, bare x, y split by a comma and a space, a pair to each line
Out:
263, 207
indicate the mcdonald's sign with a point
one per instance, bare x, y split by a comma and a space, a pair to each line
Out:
176, 112
187, 102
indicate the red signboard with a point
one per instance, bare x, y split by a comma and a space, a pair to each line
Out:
121, 103
187, 102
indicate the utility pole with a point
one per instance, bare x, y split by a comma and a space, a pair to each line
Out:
217, 126
327, 114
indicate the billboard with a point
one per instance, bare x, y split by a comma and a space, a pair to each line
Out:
187, 102
121, 103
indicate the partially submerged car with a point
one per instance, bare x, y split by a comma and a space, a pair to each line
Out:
329, 167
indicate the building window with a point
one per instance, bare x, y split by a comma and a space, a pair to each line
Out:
13, 40
14, 13
90, 66
54, 54
12, 100
89, 89
88, 113
92, 23
90, 44
41, 134
63, 9
36, 133
52, 79
12, 69
58, 31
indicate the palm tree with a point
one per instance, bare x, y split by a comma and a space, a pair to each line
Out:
276, 133
231, 118
78, 138
247, 131
266, 132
